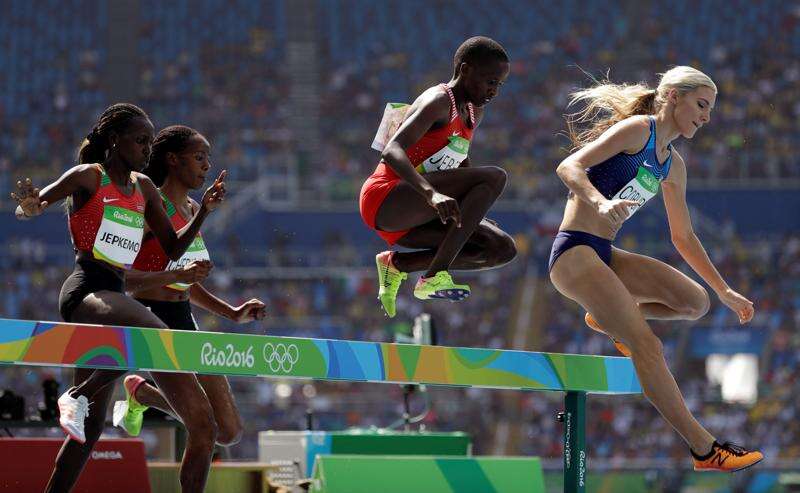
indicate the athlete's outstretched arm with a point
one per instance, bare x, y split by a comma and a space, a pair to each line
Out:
175, 244
688, 244
32, 202
248, 311
626, 136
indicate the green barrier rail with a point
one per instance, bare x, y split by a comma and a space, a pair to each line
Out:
27, 342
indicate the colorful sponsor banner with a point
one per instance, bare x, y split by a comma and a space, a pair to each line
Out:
91, 346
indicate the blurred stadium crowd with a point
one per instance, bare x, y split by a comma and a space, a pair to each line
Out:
228, 78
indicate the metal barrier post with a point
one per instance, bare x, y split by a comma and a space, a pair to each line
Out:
574, 419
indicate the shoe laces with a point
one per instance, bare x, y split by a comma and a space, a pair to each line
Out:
390, 270
441, 277
82, 408
386, 280
734, 449
390, 277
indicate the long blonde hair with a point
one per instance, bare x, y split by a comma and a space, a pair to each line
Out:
607, 103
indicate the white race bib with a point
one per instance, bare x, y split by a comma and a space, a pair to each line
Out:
641, 189
196, 251
449, 157
119, 237
393, 116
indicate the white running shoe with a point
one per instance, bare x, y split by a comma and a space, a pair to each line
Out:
120, 410
72, 414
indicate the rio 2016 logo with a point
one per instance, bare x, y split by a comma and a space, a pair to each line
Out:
281, 357
227, 357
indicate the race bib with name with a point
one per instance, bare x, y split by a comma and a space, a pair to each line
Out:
449, 157
196, 251
641, 189
119, 237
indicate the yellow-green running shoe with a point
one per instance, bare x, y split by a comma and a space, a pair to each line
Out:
128, 413
389, 279
440, 287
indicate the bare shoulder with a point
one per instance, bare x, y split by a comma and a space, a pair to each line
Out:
88, 169
142, 178
147, 186
86, 175
635, 123
433, 100
630, 134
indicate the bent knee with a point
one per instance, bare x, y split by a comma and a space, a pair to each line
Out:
201, 427
205, 434
699, 306
495, 177
496, 246
229, 434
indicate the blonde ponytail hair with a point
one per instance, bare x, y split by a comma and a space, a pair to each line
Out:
606, 103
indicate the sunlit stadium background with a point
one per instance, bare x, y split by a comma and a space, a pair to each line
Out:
290, 92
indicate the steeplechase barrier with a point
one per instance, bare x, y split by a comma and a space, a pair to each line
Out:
26, 342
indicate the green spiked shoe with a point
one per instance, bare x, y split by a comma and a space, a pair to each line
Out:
128, 414
440, 287
389, 279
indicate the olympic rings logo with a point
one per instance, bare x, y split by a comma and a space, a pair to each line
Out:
281, 357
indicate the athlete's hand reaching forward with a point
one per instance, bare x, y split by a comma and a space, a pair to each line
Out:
28, 199
215, 194
446, 207
739, 304
196, 271
249, 311
615, 211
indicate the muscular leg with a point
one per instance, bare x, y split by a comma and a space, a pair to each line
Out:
216, 387
662, 292
95, 382
226, 415
580, 275
73, 455
475, 189
185, 395
103, 307
151, 397
487, 248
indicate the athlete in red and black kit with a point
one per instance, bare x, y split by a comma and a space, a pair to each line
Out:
109, 201
424, 194
180, 162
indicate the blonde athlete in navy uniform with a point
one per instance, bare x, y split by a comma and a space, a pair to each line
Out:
621, 161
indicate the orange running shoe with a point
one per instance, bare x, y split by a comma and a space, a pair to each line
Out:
592, 323
726, 458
